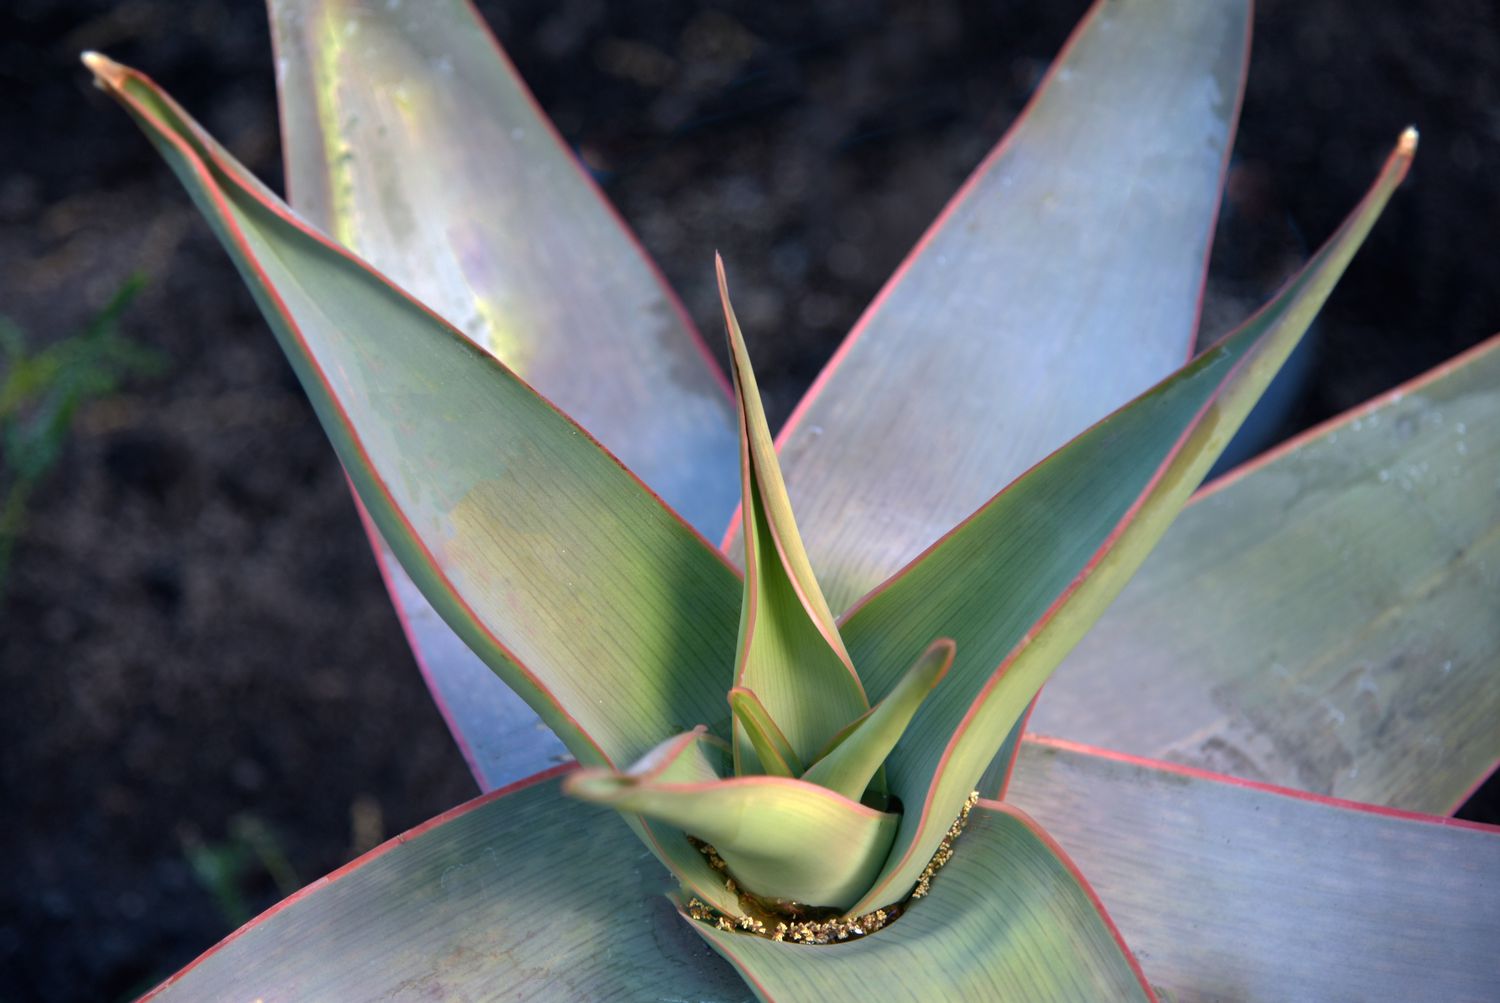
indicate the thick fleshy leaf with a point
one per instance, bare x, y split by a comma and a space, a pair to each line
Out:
776, 755
604, 611
1063, 280
525, 895
790, 652
514, 245
529, 538
1326, 618
1009, 918
1229, 891
996, 779
510, 240
858, 755
781, 838
501, 738
1224, 890
1022, 579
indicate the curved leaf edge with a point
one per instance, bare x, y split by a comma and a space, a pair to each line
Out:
775, 560
857, 755
312, 888
549, 127
1230, 780
1389, 177
671, 848
746, 971
971, 182
673, 301
1338, 421
1161, 766
1083, 883
1313, 434
207, 159
389, 567
762, 475
775, 833
1003, 767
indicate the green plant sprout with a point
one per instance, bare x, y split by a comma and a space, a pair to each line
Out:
225, 867
42, 390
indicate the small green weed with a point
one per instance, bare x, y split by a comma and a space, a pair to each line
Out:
226, 869
42, 389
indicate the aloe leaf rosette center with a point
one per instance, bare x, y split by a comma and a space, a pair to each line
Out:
832, 801
791, 803
795, 767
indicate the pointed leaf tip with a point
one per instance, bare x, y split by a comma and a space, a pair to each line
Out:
790, 652
777, 757
1081, 522
108, 74
856, 754
773, 832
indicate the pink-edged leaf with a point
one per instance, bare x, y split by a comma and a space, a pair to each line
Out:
858, 753
996, 779
781, 838
594, 601
776, 755
500, 737
1019, 582
512, 243
1063, 280
520, 894
790, 653
1008, 918
1224, 889
1326, 618
529, 538
1234, 891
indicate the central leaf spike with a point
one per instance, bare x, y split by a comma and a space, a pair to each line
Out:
856, 754
777, 757
790, 654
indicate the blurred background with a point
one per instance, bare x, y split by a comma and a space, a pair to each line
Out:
206, 698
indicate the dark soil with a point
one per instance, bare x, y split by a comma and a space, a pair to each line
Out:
194, 631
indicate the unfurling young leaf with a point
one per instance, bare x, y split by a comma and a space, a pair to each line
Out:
790, 653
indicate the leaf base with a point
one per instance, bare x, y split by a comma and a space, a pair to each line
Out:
781, 920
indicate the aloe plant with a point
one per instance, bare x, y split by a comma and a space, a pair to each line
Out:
844, 806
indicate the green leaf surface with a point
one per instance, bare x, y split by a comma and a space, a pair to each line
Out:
1325, 618
523, 531
790, 653
604, 611
996, 778
1223, 890
858, 755
1008, 918
526, 895
509, 240
776, 755
781, 838
513, 244
1226, 891
1062, 281
1018, 583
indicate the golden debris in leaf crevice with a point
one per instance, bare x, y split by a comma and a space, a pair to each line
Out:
792, 921
944, 851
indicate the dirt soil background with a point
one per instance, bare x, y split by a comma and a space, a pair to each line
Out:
196, 652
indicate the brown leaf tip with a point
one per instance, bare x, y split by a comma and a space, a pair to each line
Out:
1407, 144
108, 74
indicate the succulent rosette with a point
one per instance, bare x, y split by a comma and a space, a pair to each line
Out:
825, 799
